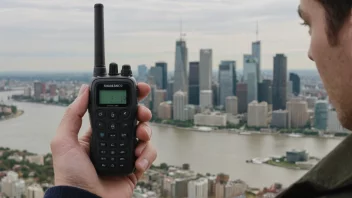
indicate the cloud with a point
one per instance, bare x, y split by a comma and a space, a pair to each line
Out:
144, 31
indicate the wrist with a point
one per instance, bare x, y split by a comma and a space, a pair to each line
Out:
76, 183
68, 191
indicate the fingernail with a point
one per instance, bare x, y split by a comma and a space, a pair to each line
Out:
144, 164
82, 89
149, 131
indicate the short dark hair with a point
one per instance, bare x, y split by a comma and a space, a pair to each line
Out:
337, 12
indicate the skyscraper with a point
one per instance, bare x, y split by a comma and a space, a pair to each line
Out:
216, 95
256, 52
160, 96
321, 115
205, 72
181, 60
258, 114
265, 91
193, 87
39, 89
206, 99
157, 73
232, 105
250, 77
234, 80
298, 115
280, 82
163, 67
179, 105
334, 124
142, 73
170, 90
296, 81
242, 90
226, 80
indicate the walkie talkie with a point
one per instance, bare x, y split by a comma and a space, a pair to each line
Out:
112, 111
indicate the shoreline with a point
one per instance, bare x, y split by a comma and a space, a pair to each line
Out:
43, 103
12, 116
244, 133
208, 129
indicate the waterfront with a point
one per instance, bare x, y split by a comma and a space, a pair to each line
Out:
205, 152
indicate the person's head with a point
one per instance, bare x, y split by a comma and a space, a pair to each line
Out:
330, 27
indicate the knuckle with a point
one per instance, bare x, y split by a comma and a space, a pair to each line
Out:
55, 143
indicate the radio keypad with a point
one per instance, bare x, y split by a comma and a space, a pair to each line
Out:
113, 115
113, 150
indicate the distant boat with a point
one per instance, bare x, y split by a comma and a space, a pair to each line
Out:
296, 135
328, 135
203, 129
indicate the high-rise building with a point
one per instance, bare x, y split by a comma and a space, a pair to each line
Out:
163, 67
52, 90
321, 115
234, 80
193, 86
311, 100
296, 83
226, 80
289, 90
190, 111
142, 73
206, 99
181, 60
165, 110
198, 188
256, 52
157, 74
232, 105
39, 89
216, 95
265, 91
27, 91
334, 124
160, 96
34, 191
170, 90
279, 119
206, 68
242, 90
280, 82
12, 186
257, 114
298, 115
250, 77
179, 104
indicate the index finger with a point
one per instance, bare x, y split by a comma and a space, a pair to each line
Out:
143, 90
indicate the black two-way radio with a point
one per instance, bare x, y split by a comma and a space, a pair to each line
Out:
112, 111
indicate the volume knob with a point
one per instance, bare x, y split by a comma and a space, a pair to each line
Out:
126, 70
113, 69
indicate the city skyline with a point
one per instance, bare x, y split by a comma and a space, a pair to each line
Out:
61, 35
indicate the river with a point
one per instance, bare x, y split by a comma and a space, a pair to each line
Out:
205, 152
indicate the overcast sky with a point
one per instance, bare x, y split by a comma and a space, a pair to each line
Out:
57, 35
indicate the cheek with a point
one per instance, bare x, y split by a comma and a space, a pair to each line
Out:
320, 50
316, 46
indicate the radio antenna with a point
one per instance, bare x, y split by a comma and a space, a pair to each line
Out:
99, 49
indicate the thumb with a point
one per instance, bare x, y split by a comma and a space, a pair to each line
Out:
72, 120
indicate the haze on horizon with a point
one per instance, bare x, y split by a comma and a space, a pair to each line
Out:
57, 35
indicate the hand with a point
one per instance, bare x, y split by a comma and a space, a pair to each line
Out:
72, 165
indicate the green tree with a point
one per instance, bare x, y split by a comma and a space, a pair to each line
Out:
164, 166
14, 109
